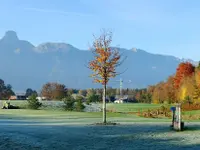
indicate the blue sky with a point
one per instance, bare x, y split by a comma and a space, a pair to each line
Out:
158, 26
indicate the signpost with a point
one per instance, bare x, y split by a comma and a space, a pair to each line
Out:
177, 123
173, 109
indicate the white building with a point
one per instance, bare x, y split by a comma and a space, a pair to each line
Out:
40, 98
121, 100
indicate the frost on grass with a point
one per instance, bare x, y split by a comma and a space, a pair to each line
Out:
136, 136
59, 105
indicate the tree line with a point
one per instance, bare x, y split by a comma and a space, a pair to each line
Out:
57, 91
182, 87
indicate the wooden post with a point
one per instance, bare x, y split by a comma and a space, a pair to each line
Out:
179, 117
178, 120
104, 104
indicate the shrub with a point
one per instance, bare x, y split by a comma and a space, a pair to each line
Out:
92, 98
166, 102
87, 102
79, 104
187, 100
33, 102
189, 107
69, 103
155, 113
7, 105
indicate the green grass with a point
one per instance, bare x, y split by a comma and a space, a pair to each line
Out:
132, 107
120, 115
86, 117
193, 112
76, 117
126, 107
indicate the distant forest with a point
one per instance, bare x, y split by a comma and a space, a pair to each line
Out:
183, 86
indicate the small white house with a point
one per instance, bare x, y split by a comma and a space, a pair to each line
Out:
118, 101
40, 98
122, 99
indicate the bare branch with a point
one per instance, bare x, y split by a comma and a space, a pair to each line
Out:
122, 72
120, 63
86, 65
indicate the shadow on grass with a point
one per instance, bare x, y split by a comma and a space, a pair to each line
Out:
192, 128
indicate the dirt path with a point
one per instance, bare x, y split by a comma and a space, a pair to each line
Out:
18, 134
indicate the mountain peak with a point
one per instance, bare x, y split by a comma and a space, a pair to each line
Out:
54, 47
10, 36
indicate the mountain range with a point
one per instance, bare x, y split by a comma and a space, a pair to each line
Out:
24, 65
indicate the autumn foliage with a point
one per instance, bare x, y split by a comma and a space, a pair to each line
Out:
104, 64
53, 91
183, 70
105, 60
182, 87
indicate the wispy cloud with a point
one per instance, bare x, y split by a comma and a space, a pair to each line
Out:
58, 12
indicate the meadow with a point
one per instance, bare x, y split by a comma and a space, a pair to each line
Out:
57, 114
49, 128
119, 113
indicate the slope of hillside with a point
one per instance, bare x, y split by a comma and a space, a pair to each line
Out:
24, 65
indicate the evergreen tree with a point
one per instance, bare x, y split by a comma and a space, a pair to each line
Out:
33, 102
79, 104
69, 103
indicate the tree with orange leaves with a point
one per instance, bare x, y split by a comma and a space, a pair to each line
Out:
106, 59
197, 76
184, 69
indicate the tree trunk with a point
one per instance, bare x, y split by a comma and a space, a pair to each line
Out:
104, 104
